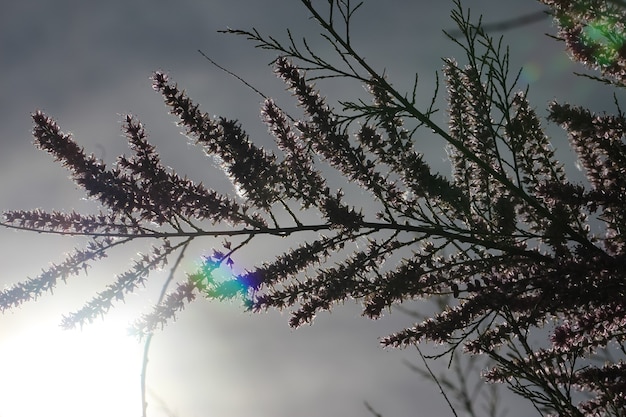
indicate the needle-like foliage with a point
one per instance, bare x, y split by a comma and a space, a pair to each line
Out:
507, 236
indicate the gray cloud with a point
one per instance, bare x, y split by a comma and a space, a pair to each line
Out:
87, 62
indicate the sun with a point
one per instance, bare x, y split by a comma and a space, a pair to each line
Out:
47, 371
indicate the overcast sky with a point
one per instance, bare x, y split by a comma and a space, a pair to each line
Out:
88, 63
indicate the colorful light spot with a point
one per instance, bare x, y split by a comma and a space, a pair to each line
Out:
221, 280
531, 72
606, 38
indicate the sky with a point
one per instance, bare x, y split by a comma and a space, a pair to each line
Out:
86, 64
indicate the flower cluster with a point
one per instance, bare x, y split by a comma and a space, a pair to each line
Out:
507, 237
594, 33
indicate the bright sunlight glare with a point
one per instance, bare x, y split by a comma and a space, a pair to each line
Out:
47, 371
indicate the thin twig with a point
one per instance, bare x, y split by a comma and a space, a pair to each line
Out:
246, 83
146, 346
436, 381
232, 74
508, 24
